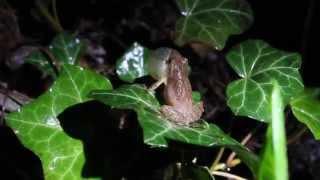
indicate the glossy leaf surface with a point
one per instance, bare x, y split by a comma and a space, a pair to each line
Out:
64, 49
38, 128
212, 21
257, 63
274, 163
306, 108
132, 64
157, 130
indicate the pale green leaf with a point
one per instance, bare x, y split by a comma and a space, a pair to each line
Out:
212, 21
157, 129
257, 63
133, 64
306, 108
38, 128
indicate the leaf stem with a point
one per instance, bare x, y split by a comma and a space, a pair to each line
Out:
217, 160
51, 60
293, 138
231, 157
52, 21
227, 175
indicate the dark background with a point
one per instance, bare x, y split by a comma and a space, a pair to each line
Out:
287, 25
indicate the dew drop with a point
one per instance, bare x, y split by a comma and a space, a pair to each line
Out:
81, 68
77, 41
53, 163
16, 131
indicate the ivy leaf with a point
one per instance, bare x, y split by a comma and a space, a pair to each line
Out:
38, 128
212, 21
274, 163
306, 108
132, 64
157, 130
67, 48
257, 63
42, 62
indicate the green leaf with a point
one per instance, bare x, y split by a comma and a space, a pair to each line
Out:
274, 164
38, 128
257, 63
157, 130
42, 62
66, 48
306, 108
212, 21
132, 64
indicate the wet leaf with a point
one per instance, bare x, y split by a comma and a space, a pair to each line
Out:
65, 49
274, 163
257, 63
212, 21
157, 130
42, 62
306, 108
38, 128
132, 64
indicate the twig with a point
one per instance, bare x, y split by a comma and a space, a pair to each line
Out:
44, 11
231, 157
297, 135
217, 160
227, 175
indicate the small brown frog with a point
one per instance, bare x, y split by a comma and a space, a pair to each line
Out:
179, 107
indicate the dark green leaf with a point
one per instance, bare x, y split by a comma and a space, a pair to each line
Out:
306, 108
66, 48
212, 21
132, 64
274, 164
38, 128
257, 63
42, 62
157, 130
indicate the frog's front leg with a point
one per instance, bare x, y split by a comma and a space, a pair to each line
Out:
155, 85
197, 110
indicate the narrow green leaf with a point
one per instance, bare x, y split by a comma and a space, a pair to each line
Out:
132, 64
306, 108
66, 48
157, 130
274, 164
257, 63
212, 21
38, 128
